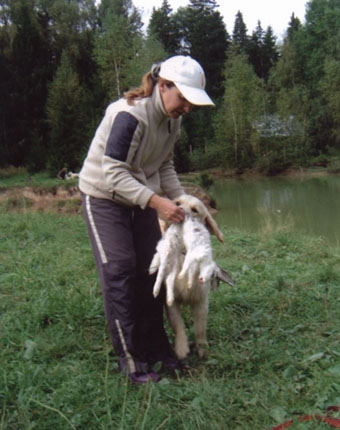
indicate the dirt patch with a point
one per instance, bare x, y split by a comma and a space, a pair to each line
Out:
66, 200
56, 199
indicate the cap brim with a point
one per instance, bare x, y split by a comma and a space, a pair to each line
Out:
195, 96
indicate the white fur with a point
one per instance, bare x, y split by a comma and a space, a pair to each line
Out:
166, 261
197, 270
198, 260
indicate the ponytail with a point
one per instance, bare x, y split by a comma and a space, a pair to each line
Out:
147, 86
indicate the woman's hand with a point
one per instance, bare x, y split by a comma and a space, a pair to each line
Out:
166, 209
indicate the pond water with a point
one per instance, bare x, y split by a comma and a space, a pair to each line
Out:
307, 205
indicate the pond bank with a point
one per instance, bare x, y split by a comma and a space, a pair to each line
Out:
300, 172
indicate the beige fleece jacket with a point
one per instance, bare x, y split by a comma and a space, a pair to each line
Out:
131, 155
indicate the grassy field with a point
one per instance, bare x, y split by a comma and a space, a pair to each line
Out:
274, 338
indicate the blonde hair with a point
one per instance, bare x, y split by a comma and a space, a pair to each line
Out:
144, 90
149, 81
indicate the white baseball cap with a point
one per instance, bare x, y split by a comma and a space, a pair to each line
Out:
188, 76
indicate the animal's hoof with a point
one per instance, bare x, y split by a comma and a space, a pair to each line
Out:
203, 351
155, 293
182, 351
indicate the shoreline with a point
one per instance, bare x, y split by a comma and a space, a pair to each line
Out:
299, 172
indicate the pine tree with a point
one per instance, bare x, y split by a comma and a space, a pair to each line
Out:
255, 50
330, 90
315, 43
240, 37
293, 26
163, 28
270, 53
68, 136
30, 64
205, 37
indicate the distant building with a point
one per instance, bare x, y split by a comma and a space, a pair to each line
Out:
275, 126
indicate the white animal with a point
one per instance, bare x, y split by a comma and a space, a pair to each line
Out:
166, 260
71, 175
200, 281
198, 261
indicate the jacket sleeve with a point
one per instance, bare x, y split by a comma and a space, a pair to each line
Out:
122, 144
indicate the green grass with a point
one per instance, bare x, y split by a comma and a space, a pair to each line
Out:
274, 338
19, 177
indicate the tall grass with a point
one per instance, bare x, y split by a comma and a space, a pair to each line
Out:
274, 338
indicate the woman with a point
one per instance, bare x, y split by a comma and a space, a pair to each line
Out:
127, 182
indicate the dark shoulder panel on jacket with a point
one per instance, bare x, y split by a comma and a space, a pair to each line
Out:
121, 135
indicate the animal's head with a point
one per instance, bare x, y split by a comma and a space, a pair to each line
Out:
196, 209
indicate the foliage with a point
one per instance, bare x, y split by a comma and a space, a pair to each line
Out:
273, 338
207, 157
64, 107
330, 88
205, 181
150, 51
201, 21
163, 28
108, 53
28, 67
262, 51
240, 37
235, 122
181, 156
113, 49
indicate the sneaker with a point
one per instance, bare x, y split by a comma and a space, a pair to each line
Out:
144, 378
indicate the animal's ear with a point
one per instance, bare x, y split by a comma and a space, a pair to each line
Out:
213, 228
224, 276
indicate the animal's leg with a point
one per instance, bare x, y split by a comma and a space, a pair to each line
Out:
189, 269
200, 313
171, 279
192, 273
207, 272
170, 285
159, 280
185, 266
181, 341
154, 263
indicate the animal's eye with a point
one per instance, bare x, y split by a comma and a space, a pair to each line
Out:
177, 203
194, 210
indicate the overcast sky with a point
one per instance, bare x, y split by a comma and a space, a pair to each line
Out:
275, 13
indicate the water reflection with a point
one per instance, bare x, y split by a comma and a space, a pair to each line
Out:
309, 206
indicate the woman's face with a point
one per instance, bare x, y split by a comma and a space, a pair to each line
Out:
173, 101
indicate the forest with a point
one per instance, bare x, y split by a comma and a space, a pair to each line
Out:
62, 62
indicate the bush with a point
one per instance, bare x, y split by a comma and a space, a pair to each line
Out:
272, 164
334, 167
202, 159
205, 181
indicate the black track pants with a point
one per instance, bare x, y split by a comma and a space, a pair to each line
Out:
123, 241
